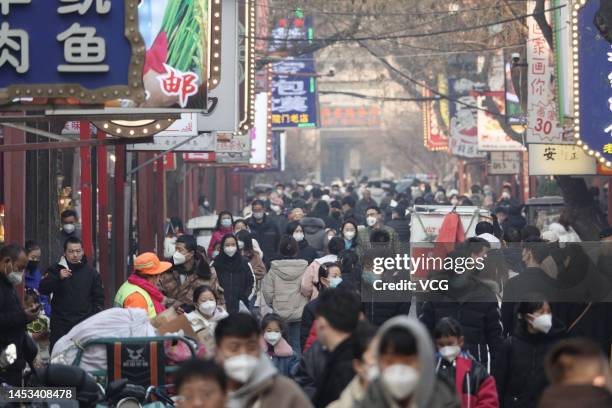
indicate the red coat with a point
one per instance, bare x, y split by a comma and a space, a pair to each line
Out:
475, 387
312, 337
217, 236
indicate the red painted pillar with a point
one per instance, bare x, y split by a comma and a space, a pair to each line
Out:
461, 172
103, 247
119, 218
86, 204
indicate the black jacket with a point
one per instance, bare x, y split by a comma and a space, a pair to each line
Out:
308, 318
13, 322
337, 374
237, 285
402, 227
307, 252
475, 306
519, 366
311, 368
267, 235
590, 320
74, 299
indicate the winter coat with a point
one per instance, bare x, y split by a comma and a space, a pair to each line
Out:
280, 221
475, 306
352, 395
266, 388
267, 235
236, 284
13, 323
337, 374
314, 232
308, 318
474, 386
311, 276
281, 288
178, 293
257, 265
32, 281
378, 309
590, 320
74, 299
401, 227
565, 235
311, 367
216, 237
431, 390
306, 252
282, 356
205, 328
519, 367
572, 396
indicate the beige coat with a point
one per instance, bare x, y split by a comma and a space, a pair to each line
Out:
281, 288
352, 394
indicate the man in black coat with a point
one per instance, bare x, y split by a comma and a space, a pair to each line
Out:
13, 318
264, 231
399, 223
337, 319
76, 287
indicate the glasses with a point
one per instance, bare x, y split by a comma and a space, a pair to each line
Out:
74, 251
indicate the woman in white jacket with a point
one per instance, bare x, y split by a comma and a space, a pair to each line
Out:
564, 230
204, 318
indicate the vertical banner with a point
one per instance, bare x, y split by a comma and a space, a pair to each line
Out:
491, 135
464, 119
435, 136
542, 120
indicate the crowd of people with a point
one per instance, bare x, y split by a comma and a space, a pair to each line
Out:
280, 302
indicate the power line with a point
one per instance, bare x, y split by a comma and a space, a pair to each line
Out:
400, 36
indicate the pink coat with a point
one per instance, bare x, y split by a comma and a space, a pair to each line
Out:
217, 236
311, 276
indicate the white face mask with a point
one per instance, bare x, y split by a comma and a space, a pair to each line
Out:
178, 258
15, 278
373, 373
450, 353
215, 254
400, 380
258, 215
542, 323
239, 368
69, 228
371, 221
298, 236
349, 235
240, 244
230, 250
275, 208
208, 308
226, 222
272, 337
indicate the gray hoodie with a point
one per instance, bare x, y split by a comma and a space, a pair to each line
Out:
431, 391
281, 288
268, 389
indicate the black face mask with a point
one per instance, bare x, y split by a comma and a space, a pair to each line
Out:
32, 265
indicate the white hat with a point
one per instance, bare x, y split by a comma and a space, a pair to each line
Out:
491, 239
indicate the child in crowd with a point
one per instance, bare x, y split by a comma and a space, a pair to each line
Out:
475, 387
38, 328
276, 347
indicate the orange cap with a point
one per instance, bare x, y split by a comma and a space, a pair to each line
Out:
149, 264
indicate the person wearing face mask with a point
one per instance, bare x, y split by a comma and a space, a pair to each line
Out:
281, 288
310, 279
579, 374
140, 290
189, 271
364, 345
13, 317
275, 344
234, 274
264, 231
76, 288
277, 212
204, 207
69, 219
253, 381
399, 223
348, 232
225, 225
241, 225
329, 276
374, 223
305, 252
335, 215
33, 275
475, 387
337, 316
406, 362
364, 203
203, 319
519, 371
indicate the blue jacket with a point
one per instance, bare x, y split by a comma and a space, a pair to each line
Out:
32, 281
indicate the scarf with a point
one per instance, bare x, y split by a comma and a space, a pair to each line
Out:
224, 263
156, 295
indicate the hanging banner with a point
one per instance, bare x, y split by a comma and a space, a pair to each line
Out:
567, 160
435, 136
294, 85
261, 134
562, 40
464, 119
542, 120
592, 60
491, 135
501, 163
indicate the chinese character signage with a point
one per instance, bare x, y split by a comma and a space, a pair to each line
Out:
491, 135
559, 159
542, 119
294, 93
351, 117
88, 50
464, 119
592, 56
504, 163
435, 135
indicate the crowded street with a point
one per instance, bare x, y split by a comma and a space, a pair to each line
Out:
306, 204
